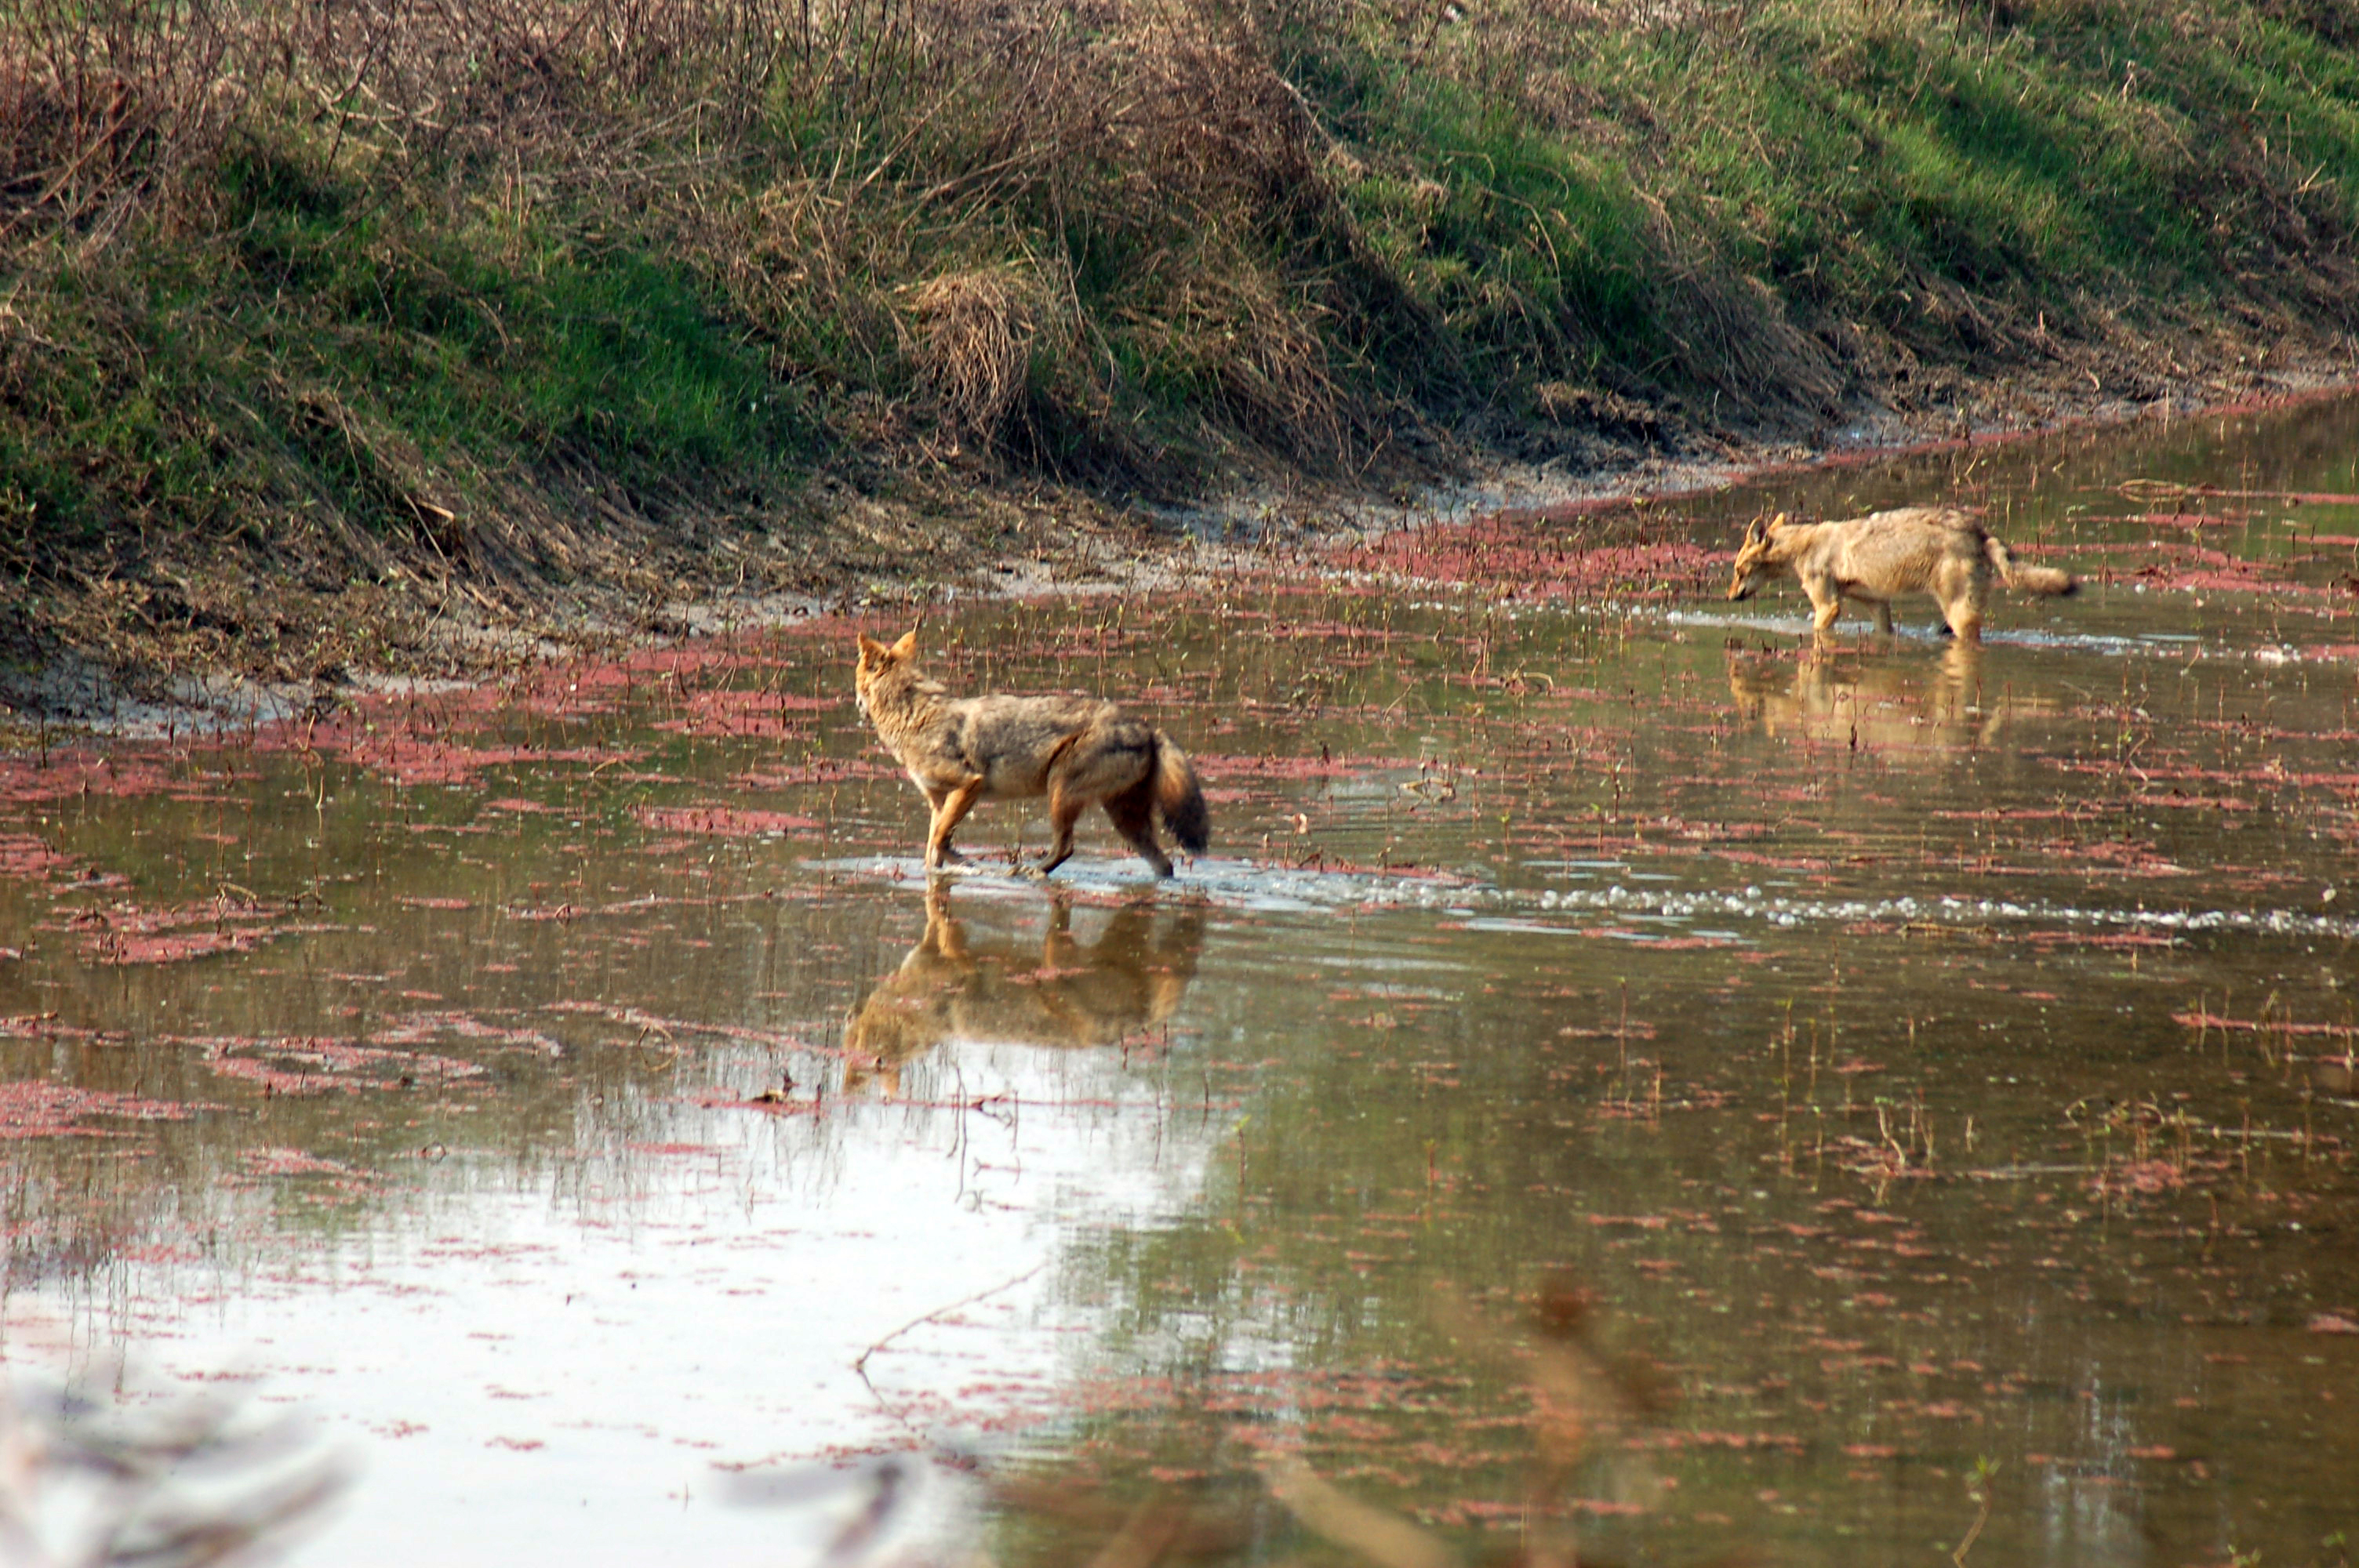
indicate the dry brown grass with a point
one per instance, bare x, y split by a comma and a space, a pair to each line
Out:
972, 346
808, 162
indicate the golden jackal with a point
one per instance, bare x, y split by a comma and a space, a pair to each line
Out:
1936, 550
1074, 750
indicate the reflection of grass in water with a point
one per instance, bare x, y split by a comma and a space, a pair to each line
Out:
1554, 1431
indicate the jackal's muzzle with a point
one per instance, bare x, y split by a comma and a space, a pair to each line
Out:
1751, 556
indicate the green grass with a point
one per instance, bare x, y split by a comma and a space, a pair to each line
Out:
327, 350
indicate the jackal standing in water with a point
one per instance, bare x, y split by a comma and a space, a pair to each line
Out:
1077, 751
1936, 551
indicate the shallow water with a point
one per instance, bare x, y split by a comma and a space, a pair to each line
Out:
1620, 1090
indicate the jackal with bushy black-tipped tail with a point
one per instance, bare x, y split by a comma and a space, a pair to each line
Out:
1077, 751
1936, 551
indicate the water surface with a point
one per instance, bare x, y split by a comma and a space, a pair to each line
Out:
1623, 1088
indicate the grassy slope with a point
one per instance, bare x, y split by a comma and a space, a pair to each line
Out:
307, 326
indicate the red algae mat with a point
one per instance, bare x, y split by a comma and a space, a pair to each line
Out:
1623, 1087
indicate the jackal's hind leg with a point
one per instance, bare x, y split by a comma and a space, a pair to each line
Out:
1133, 812
1964, 611
1883, 618
1063, 812
1960, 588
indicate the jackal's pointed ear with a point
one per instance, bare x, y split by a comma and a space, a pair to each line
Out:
1753, 532
872, 651
907, 646
1775, 524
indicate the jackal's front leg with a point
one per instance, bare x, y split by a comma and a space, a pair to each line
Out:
948, 811
935, 798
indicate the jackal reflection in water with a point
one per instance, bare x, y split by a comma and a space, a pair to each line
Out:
1868, 702
1066, 995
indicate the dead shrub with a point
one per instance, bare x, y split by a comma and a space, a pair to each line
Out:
971, 349
102, 107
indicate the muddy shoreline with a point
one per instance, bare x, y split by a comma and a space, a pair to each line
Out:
1000, 540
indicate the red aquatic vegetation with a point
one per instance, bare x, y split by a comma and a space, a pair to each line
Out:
408, 760
174, 948
2205, 1019
748, 715
2248, 577
726, 821
1313, 627
275, 1161
1660, 943
294, 1064
37, 1107
46, 1026
25, 857
2140, 1177
418, 1028
2113, 939
2273, 771
2167, 549
1218, 765
817, 769
1531, 557
1784, 1441
699, 687
2086, 812
1775, 862
115, 775
131, 934
2118, 857
771, 1102
649, 1024
2298, 497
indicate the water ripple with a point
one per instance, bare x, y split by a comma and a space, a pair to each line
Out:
1722, 914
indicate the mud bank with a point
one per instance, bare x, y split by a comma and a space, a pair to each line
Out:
931, 541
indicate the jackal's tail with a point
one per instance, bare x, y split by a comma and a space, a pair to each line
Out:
1180, 797
2028, 578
